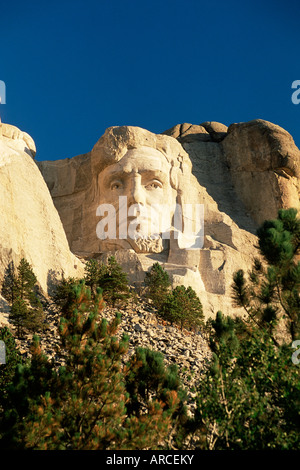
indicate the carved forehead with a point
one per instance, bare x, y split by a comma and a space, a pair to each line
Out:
117, 141
142, 159
133, 163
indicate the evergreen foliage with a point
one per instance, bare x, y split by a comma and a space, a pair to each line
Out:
149, 379
110, 278
94, 272
20, 289
64, 295
114, 283
12, 359
249, 399
183, 307
157, 284
81, 406
271, 294
180, 305
9, 287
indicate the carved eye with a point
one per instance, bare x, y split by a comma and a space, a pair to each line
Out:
116, 185
154, 185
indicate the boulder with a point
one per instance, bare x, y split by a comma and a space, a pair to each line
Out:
30, 225
264, 164
16, 139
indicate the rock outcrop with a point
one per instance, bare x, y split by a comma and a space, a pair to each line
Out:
30, 225
264, 164
241, 175
201, 177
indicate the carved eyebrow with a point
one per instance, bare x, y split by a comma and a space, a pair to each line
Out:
114, 176
156, 174
151, 174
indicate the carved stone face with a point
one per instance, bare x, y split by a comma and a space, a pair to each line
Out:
138, 187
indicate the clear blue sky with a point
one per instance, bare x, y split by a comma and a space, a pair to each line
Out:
72, 68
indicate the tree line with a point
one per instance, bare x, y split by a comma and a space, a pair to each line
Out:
248, 397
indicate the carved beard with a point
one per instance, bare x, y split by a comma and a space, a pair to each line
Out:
148, 244
139, 245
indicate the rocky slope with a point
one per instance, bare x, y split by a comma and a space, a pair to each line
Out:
188, 349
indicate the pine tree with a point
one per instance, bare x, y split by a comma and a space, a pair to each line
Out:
110, 277
9, 285
19, 315
82, 405
21, 290
249, 397
271, 294
26, 282
64, 295
183, 307
149, 377
12, 359
94, 272
157, 284
114, 283
225, 334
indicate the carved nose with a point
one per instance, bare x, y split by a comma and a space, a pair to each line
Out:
137, 191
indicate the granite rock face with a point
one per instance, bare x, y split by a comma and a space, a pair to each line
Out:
30, 225
16, 139
239, 175
264, 164
195, 175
